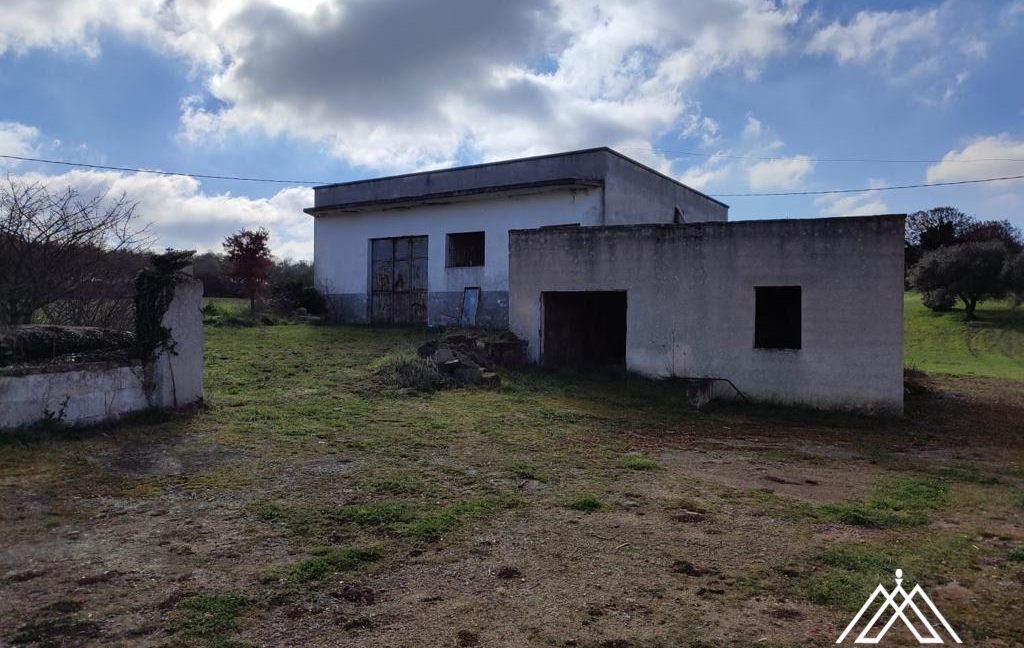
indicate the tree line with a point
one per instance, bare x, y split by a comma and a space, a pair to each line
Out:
951, 256
71, 258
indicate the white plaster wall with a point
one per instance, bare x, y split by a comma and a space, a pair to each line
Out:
90, 395
103, 392
341, 248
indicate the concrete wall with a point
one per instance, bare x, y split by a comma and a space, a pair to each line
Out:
691, 301
94, 393
342, 248
636, 195
436, 203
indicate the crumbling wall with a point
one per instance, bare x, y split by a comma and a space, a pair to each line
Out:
691, 301
85, 394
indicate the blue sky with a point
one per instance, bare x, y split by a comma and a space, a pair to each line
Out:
731, 96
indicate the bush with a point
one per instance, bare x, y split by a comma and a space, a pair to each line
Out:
410, 372
939, 300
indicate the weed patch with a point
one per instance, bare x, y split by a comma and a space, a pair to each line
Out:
585, 504
847, 573
893, 503
333, 561
639, 462
209, 616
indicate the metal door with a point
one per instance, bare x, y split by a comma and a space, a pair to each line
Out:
398, 280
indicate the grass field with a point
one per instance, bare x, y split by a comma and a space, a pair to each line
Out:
308, 503
945, 343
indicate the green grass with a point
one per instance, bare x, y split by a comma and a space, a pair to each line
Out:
844, 574
585, 504
332, 561
1016, 554
638, 462
945, 343
894, 502
209, 617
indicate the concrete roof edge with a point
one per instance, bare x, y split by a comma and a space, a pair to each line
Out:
597, 149
740, 223
552, 184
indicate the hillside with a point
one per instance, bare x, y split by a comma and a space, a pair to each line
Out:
944, 343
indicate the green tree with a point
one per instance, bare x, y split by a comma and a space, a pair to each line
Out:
249, 262
1013, 275
973, 272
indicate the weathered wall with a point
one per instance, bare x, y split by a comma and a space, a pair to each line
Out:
690, 308
623, 192
635, 195
342, 248
98, 392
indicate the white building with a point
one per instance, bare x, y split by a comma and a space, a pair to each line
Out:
432, 247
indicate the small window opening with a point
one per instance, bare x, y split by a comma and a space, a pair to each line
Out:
777, 322
465, 250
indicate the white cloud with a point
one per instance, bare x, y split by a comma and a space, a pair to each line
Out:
985, 157
873, 34
862, 204
398, 84
785, 173
183, 215
752, 128
18, 140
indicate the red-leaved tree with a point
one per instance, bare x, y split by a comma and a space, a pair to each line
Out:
249, 262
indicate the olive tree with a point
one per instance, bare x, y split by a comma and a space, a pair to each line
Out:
973, 272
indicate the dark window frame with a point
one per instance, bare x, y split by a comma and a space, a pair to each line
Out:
778, 318
463, 258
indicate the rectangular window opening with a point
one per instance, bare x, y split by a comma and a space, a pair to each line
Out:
777, 317
465, 250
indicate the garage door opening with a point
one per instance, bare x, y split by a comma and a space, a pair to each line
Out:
584, 329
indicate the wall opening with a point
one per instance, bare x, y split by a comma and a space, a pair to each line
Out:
465, 250
777, 317
584, 329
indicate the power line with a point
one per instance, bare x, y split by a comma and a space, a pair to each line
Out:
842, 191
207, 176
810, 159
204, 176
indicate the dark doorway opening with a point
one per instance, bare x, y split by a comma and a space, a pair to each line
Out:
584, 329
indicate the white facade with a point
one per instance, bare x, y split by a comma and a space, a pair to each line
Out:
341, 242
584, 188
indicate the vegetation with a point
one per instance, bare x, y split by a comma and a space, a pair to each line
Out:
66, 253
944, 343
972, 272
308, 499
248, 262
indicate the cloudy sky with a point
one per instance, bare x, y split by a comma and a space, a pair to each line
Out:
730, 96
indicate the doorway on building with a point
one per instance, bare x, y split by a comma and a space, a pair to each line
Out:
584, 329
398, 280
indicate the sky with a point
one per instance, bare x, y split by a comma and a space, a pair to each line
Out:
728, 96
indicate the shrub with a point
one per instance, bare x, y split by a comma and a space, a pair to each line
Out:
939, 300
585, 504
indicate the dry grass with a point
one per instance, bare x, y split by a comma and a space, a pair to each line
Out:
308, 504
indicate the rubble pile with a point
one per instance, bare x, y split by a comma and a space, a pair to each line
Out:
468, 359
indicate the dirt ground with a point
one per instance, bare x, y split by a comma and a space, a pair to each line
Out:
554, 518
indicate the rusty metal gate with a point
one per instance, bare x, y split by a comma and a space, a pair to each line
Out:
398, 280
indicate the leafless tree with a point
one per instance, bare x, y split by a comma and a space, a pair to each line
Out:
65, 253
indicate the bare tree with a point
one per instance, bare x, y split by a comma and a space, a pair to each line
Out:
60, 246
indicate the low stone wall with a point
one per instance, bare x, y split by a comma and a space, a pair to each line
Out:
92, 393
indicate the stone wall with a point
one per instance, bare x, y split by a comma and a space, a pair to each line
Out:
94, 393
691, 301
